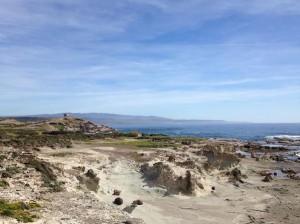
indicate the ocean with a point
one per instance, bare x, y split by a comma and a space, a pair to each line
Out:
240, 131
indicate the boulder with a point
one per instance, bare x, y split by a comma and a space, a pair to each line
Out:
237, 175
137, 202
6, 174
128, 222
90, 180
91, 174
118, 201
171, 159
268, 178
117, 192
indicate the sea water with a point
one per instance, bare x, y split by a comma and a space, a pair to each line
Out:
240, 131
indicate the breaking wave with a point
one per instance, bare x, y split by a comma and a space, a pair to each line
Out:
283, 137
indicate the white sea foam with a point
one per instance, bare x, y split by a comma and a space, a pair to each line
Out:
283, 137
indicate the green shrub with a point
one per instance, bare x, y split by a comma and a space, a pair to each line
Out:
34, 205
18, 210
48, 176
134, 134
13, 170
4, 183
2, 157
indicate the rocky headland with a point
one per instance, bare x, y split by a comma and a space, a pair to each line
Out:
68, 170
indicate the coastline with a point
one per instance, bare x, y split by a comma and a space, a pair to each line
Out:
177, 180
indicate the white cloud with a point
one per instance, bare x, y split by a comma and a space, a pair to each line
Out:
106, 51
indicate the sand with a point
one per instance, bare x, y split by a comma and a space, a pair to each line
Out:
253, 201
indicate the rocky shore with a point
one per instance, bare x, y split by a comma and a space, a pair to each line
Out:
71, 171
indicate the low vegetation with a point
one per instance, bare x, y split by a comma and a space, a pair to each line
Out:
142, 143
18, 210
2, 157
61, 154
152, 141
48, 176
4, 183
12, 170
22, 138
133, 134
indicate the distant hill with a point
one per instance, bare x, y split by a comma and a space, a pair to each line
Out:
117, 119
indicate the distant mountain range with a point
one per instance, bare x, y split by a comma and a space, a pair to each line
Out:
117, 119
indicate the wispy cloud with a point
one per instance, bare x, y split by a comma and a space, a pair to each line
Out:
144, 54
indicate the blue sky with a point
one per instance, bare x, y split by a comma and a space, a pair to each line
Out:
236, 60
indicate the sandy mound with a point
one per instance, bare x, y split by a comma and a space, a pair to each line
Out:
10, 122
163, 174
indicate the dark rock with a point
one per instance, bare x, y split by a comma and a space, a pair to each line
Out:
248, 146
128, 222
171, 158
6, 175
288, 171
117, 192
91, 174
237, 175
187, 142
137, 202
268, 178
241, 155
118, 201
213, 188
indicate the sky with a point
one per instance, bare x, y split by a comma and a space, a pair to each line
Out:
234, 60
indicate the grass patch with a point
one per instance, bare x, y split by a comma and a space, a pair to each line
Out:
34, 205
13, 170
144, 143
4, 183
153, 141
48, 176
18, 210
2, 157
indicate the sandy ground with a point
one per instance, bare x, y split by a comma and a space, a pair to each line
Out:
251, 202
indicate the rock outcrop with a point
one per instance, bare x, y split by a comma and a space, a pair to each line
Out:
90, 180
220, 155
162, 174
71, 124
268, 178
